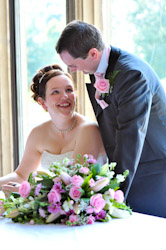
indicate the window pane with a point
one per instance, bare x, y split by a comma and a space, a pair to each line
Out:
41, 23
139, 26
44, 22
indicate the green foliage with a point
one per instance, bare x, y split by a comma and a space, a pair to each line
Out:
96, 168
79, 158
31, 179
46, 183
126, 173
112, 77
85, 185
113, 185
121, 206
42, 33
149, 18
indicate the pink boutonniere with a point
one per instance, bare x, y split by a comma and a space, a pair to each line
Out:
102, 85
105, 86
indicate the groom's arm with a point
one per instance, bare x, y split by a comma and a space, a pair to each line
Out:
134, 100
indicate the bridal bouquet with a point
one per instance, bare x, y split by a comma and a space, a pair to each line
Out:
71, 193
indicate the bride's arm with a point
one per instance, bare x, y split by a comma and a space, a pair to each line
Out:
89, 141
29, 163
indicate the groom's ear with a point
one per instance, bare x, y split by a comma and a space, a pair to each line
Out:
42, 103
93, 53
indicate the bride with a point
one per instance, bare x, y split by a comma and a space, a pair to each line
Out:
67, 134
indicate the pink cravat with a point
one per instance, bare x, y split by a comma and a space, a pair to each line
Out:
102, 103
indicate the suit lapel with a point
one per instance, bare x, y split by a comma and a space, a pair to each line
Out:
91, 91
114, 54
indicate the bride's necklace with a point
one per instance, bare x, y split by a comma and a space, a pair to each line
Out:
67, 129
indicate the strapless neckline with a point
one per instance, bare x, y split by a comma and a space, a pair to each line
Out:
57, 155
48, 158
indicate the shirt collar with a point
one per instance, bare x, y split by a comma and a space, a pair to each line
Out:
103, 64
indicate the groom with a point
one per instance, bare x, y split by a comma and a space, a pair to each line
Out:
130, 106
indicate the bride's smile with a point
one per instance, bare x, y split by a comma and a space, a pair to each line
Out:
60, 96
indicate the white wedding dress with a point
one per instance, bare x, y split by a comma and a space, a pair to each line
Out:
47, 159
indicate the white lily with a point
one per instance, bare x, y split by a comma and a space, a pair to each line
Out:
100, 184
76, 208
66, 178
120, 178
13, 214
52, 217
104, 169
67, 205
120, 213
112, 165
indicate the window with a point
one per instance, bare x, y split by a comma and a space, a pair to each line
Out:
38, 26
139, 26
29, 30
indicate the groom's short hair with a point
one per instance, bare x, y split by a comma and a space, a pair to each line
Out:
78, 38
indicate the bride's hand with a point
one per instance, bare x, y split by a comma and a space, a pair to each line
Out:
10, 187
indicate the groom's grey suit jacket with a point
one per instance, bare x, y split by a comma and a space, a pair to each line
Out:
133, 127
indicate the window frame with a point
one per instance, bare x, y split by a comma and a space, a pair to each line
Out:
11, 113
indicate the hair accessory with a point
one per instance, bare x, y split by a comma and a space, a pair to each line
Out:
41, 78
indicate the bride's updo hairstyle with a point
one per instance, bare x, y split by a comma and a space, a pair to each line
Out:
39, 81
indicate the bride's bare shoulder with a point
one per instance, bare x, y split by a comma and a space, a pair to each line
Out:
86, 121
89, 134
41, 129
87, 127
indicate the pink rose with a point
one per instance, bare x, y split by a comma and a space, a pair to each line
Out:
119, 196
90, 219
89, 210
91, 182
97, 202
31, 222
54, 196
75, 193
73, 218
85, 156
42, 212
111, 193
91, 159
2, 210
77, 180
25, 189
56, 179
102, 85
84, 170
37, 189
